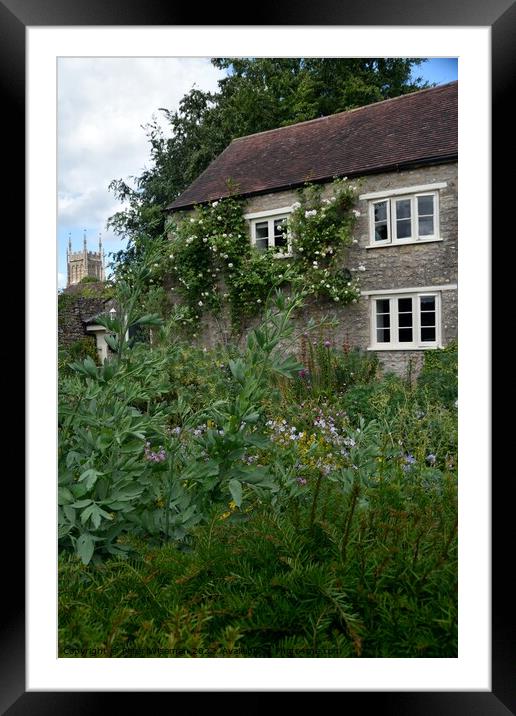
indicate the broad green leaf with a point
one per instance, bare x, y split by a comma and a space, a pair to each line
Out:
85, 547
82, 503
89, 477
236, 492
64, 496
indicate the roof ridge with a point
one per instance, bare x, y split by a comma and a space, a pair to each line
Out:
346, 111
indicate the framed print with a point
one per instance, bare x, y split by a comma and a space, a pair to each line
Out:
34, 678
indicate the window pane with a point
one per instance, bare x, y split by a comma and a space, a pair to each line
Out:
380, 211
428, 318
405, 320
262, 230
426, 226
383, 320
262, 244
405, 335
428, 334
427, 303
280, 238
403, 209
382, 305
425, 205
404, 229
383, 335
404, 304
380, 232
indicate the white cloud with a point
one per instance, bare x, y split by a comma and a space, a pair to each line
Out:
102, 105
61, 280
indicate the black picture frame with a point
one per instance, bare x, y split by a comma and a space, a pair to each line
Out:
500, 16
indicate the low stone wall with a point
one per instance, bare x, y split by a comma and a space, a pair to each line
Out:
73, 310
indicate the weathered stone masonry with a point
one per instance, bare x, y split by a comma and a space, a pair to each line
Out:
387, 267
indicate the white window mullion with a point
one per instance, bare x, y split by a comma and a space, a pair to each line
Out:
394, 321
391, 208
415, 220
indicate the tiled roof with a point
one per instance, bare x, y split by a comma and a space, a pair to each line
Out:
396, 132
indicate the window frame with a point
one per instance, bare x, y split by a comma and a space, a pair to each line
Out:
414, 238
270, 217
394, 343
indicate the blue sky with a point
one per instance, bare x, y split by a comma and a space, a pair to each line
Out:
103, 104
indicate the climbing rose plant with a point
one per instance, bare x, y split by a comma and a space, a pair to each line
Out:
212, 263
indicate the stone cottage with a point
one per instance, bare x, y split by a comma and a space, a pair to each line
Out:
404, 152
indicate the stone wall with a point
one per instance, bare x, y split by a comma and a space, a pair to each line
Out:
73, 310
388, 267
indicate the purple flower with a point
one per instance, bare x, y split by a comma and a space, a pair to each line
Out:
327, 344
409, 461
151, 456
431, 459
301, 480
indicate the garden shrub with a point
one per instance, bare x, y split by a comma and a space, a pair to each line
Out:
437, 380
218, 503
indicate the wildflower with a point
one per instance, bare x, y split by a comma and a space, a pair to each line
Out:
356, 213
200, 303
409, 461
327, 344
431, 459
301, 480
204, 240
230, 265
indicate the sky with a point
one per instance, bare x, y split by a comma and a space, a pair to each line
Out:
103, 106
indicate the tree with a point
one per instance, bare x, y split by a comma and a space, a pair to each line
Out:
256, 94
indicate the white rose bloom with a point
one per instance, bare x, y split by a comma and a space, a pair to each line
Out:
205, 240
215, 203
230, 265
200, 303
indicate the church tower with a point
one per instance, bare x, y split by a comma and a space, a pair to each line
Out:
84, 263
